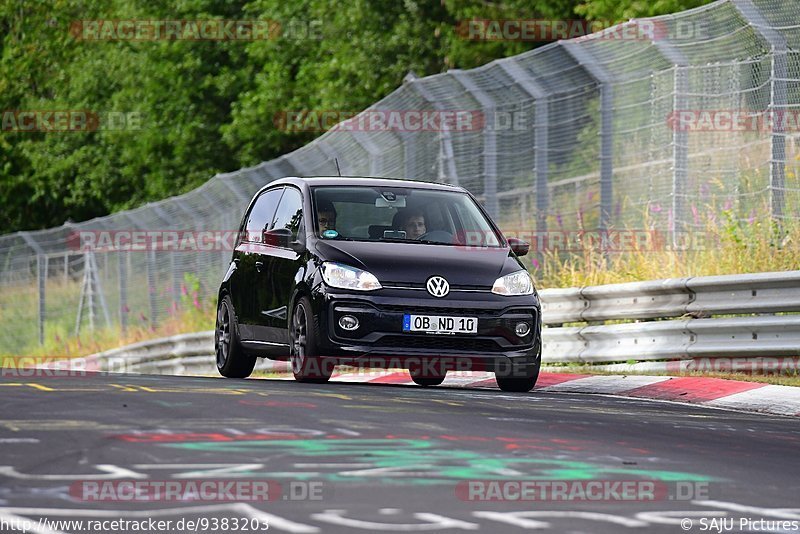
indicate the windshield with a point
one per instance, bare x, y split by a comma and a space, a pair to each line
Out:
401, 214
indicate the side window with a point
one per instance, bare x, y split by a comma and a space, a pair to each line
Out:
290, 212
261, 214
472, 232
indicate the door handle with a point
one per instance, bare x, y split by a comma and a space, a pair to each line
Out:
259, 265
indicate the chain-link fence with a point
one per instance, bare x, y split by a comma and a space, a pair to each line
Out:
658, 122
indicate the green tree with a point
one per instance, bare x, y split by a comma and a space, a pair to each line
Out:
209, 106
616, 11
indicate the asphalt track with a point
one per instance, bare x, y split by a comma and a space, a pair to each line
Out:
384, 457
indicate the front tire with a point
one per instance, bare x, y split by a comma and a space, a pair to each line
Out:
307, 365
515, 383
232, 361
427, 380
426, 374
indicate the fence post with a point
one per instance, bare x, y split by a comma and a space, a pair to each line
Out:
489, 140
409, 155
89, 266
680, 157
447, 158
100, 293
778, 102
126, 268
680, 137
41, 271
123, 292
151, 286
369, 146
541, 139
41, 279
604, 82
149, 255
196, 224
778, 107
174, 268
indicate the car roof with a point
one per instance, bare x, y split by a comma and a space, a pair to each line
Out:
313, 181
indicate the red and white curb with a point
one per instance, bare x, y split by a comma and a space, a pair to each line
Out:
716, 392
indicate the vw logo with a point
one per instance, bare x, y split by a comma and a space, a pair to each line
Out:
437, 286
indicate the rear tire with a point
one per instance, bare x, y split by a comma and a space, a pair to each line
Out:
232, 361
307, 365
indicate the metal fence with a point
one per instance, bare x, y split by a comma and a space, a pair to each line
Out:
579, 134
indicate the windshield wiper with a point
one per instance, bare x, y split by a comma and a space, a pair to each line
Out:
429, 242
418, 241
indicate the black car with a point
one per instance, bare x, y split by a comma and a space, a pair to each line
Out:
373, 272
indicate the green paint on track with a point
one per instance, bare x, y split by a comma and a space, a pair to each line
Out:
421, 462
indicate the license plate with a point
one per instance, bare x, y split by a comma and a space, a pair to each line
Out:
437, 324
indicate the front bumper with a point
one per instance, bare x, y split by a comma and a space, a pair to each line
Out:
379, 341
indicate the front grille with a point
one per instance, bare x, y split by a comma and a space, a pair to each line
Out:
421, 285
439, 342
412, 310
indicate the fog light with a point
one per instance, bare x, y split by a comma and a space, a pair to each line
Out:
522, 329
348, 322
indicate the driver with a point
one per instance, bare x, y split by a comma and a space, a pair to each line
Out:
412, 222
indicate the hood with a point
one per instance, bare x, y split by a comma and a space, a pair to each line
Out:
412, 263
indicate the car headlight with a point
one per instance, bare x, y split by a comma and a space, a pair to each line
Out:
518, 283
346, 277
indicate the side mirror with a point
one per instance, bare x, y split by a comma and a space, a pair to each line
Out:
279, 237
519, 246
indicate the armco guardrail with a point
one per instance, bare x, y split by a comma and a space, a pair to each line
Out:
674, 297
694, 335
184, 354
